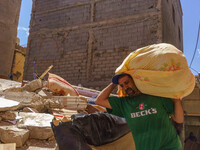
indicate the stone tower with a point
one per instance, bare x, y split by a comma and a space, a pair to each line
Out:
86, 40
9, 10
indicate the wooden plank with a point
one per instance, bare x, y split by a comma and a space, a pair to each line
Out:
10, 146
42, 76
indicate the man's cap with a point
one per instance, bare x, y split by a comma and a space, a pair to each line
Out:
116, 77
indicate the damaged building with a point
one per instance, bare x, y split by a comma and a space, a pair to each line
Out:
86, 40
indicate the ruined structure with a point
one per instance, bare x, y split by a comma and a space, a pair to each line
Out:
18, 62
9, 17
86, 40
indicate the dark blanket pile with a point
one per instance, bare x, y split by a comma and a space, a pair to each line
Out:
95, 129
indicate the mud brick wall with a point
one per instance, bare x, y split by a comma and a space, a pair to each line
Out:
172, 22
9, 16
86, 40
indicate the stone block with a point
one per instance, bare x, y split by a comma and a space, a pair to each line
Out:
11, 134
37, 123
8, 104
33, 85
69, 102
8, 115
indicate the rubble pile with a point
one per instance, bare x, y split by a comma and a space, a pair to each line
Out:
27, 110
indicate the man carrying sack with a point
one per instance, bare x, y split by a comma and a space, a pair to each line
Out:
151, 83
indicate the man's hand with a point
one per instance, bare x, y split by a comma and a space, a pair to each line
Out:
178, 116
102, 98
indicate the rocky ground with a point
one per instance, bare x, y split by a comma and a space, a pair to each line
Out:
26, 114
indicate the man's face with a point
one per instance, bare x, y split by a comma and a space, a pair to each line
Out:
128, 86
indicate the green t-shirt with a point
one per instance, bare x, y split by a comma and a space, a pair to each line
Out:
148, 119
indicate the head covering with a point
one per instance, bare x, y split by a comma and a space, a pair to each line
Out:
159, 70
117, 76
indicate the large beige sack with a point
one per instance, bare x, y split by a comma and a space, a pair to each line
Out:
160, 70
60, 86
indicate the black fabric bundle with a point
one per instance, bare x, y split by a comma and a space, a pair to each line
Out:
95, 129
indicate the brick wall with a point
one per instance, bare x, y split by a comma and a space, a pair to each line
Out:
87, 40
9, 11
172, 22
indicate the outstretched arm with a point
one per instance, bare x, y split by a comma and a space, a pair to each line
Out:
102, 98
178, 116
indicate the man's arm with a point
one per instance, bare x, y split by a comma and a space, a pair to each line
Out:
178, 116
102, 98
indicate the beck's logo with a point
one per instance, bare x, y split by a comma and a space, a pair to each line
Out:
141, 106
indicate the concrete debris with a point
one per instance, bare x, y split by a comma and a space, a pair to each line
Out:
27, 99
70, 102
35, 119
65, 112
28, 109
12, 134
34, 144
26, 112
33, 85
8, 115
44, 93
30, 86
6, 84
37, 123
7, 104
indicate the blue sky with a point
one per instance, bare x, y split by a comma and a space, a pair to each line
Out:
24, 20
191, 19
